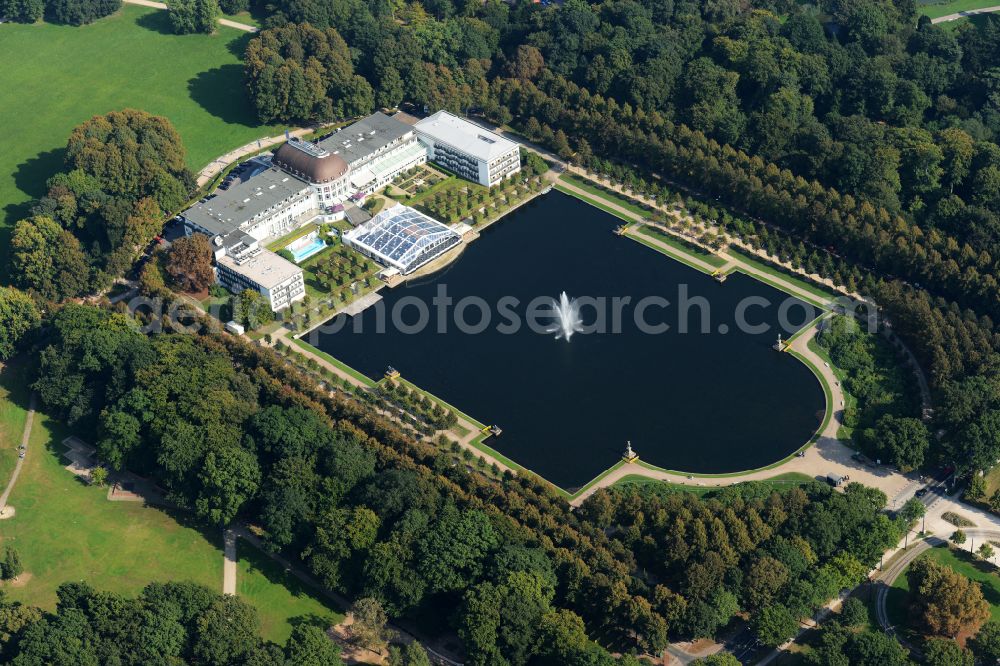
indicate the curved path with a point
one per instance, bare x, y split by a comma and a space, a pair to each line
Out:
967, 13
5, 511
887, 577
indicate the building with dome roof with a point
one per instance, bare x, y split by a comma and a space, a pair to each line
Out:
305, 181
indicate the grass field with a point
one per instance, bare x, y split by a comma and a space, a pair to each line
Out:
962, 562
13, 403
944, 8
65, 530
281, 599
55, 77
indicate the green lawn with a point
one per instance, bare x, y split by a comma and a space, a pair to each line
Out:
13, 412
281, 599
65, 530
332, 361
619, 199
688, 248
959, 560
593, 201
823, 295
55, 77
850, 400
944, 8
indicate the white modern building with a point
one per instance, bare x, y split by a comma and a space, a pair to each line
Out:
402, 238
467, 149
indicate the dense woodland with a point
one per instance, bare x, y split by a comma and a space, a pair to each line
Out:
166, 623
232, 434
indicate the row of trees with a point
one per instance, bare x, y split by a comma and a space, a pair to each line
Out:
72, 12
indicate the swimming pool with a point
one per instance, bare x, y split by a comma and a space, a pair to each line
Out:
303, 250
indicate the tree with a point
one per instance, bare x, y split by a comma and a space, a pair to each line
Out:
369, 626
233, 7
903, 440
226, 632
299, 72
412, 654
18, 315
526, 64
11, 566
79, 12
853, 613
775, 624
132, 154
23, 11
48, 260
985, 551
912, 511
722, 658
151, 280
251, 309
946, 602
986, 644
977, 488
958, 537
310, 646
191, 16
189, 263
229, 477
99, 476
946, 652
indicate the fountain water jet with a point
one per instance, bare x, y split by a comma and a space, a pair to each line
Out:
567, 315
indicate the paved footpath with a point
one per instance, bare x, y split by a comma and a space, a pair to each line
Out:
5, 511
219, 163
965, 14
222, 21
229, 561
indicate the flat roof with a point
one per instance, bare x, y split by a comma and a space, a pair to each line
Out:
368, 135
265, 268
465, 135
229, 209
403, 238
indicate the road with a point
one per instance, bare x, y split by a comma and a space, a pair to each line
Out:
965, 14
5, 511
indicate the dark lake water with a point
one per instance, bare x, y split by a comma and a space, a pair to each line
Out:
698, 401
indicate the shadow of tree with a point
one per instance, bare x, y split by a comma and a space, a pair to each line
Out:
221, 92
238, 45
158, 21
31, 175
